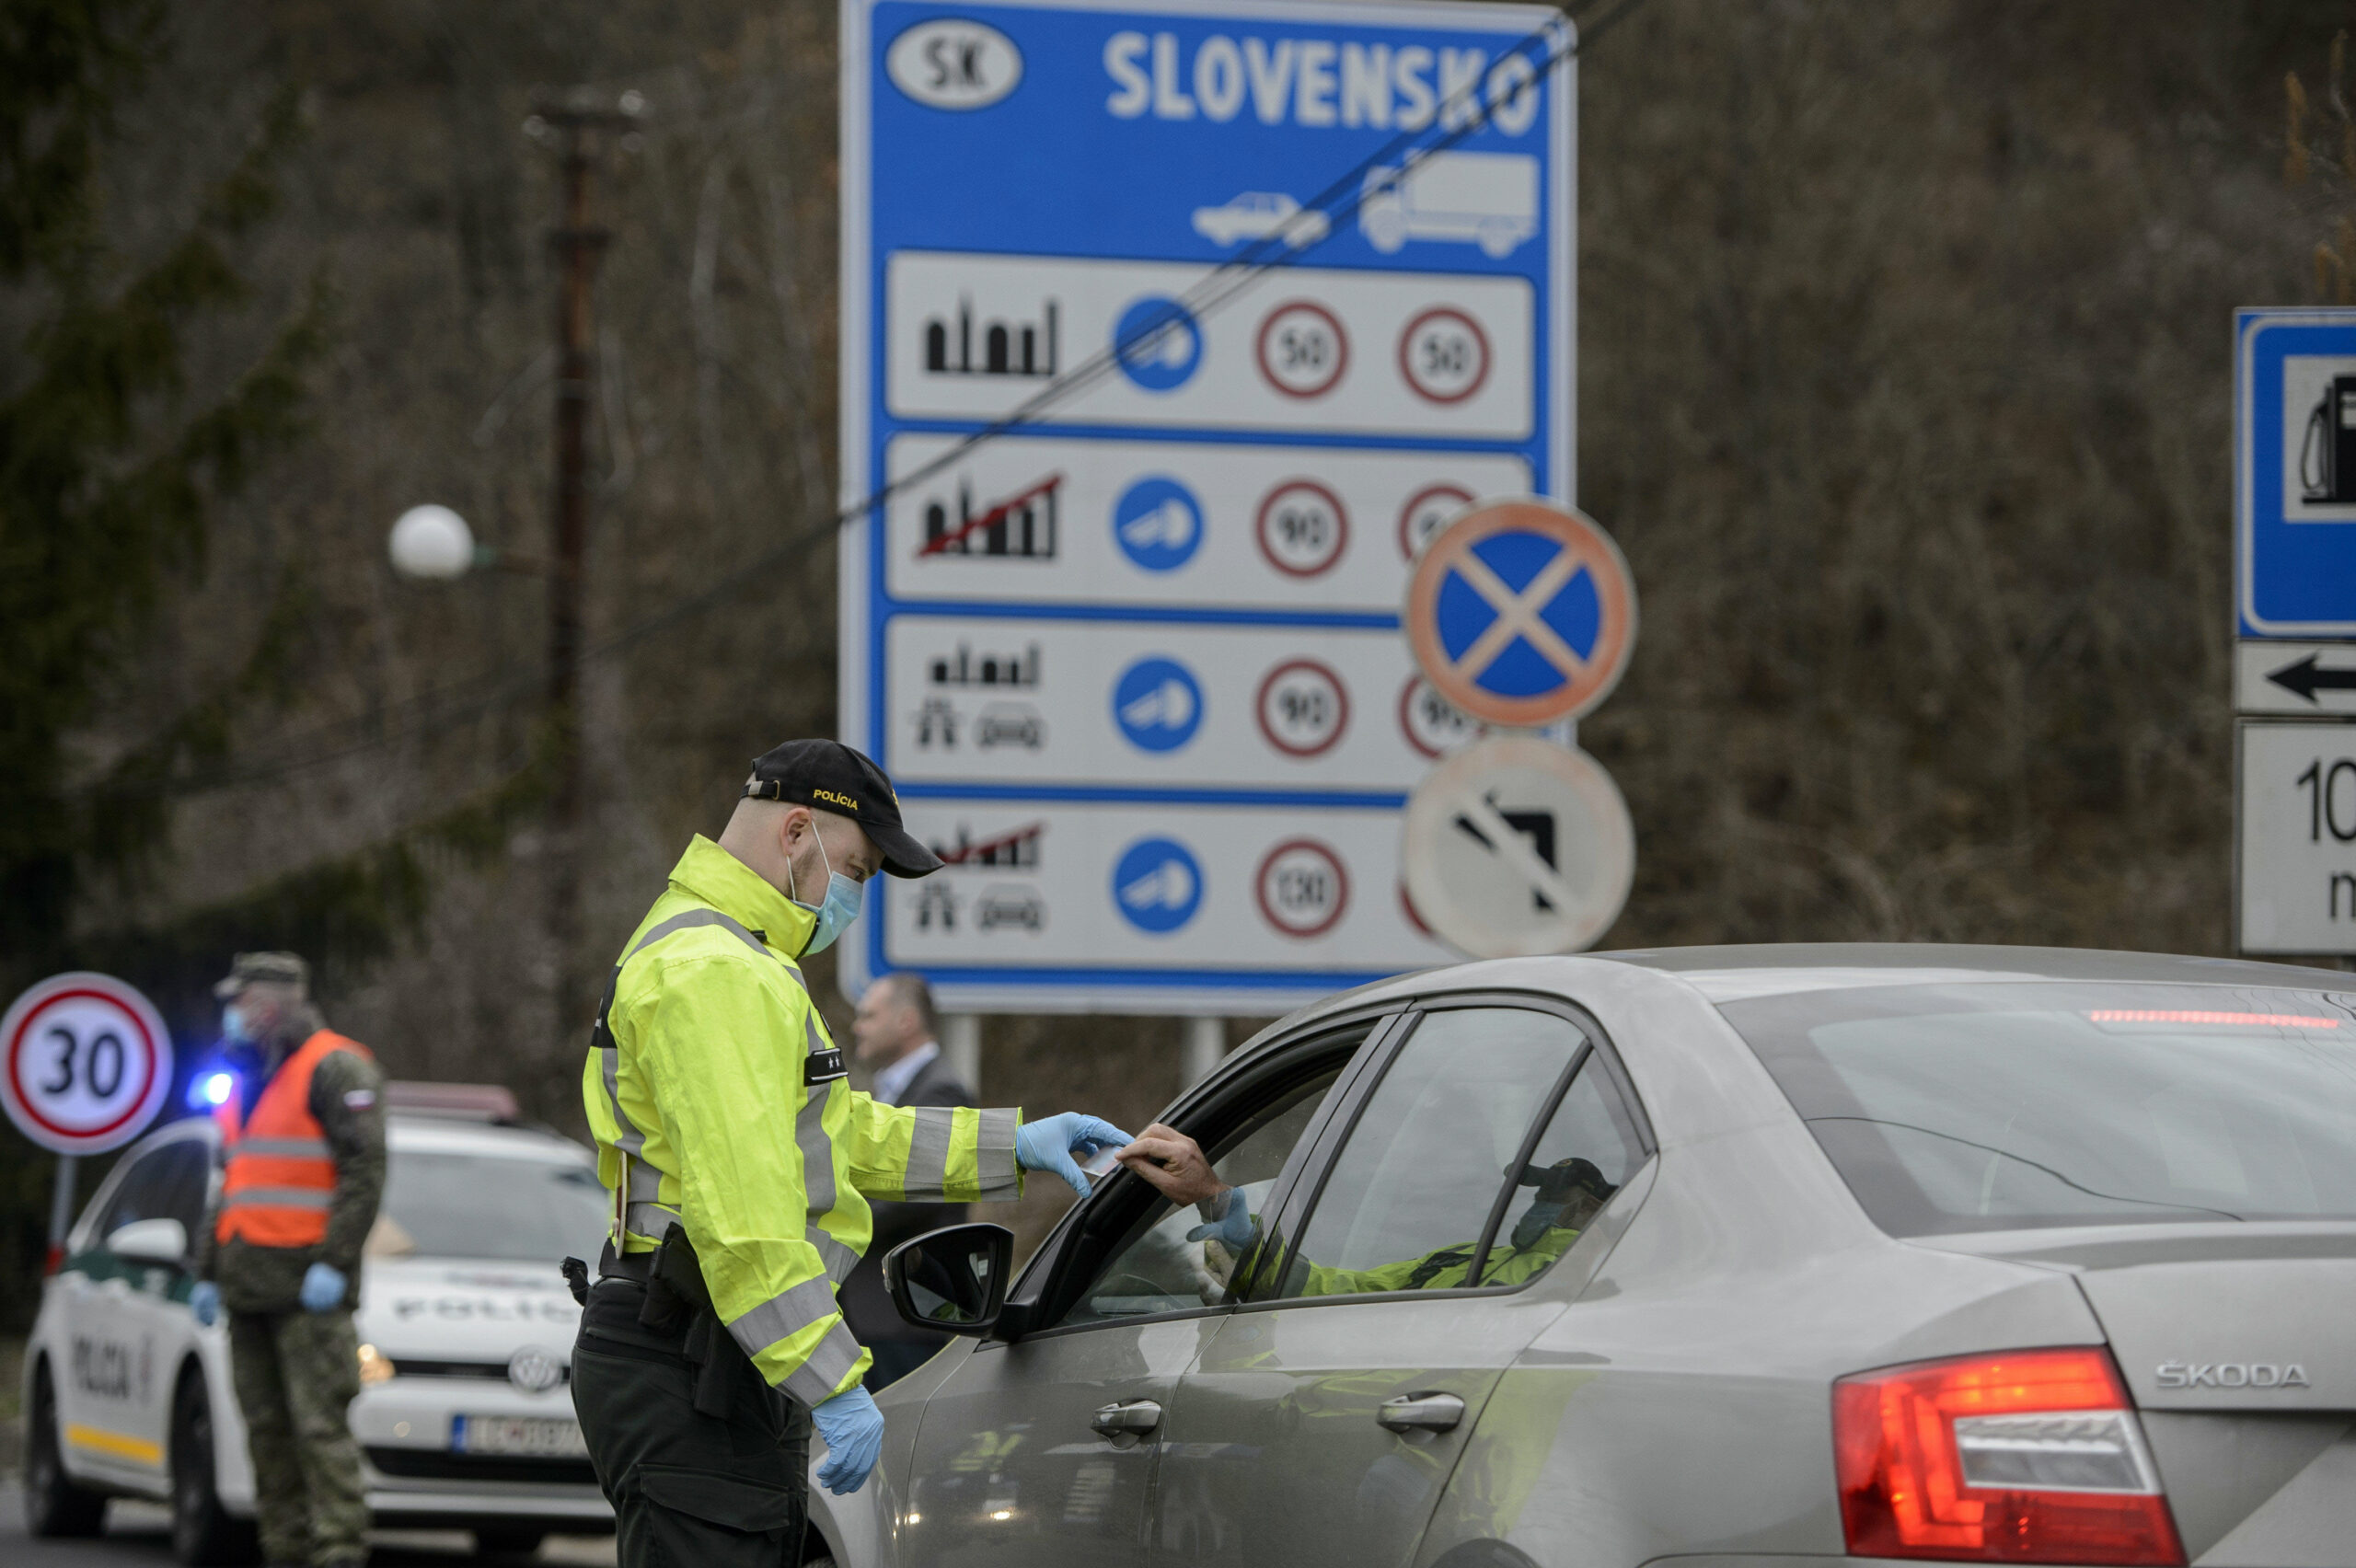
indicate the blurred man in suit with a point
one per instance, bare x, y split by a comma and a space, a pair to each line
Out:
897, 1033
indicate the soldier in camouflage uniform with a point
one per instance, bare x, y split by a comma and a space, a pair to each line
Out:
304, 1169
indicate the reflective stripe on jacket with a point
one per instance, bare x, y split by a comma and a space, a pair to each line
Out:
706, 1109
279, 1179
1446, 1268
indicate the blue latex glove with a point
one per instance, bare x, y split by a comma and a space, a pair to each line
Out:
1233, 1226
853, 1430
204, 1300
1050, 1145
322, 1287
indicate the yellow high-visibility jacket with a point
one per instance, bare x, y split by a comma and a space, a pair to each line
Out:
699, 1090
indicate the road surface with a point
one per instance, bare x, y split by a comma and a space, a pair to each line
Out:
139, 1533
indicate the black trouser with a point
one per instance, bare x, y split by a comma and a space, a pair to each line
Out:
688, 1490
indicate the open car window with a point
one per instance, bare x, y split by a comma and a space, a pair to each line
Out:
1474, 1164
1156, 1268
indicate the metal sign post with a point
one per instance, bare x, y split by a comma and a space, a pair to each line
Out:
2294, 516
1171, 333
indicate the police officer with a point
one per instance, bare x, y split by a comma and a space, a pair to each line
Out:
302, 1150
741, 1163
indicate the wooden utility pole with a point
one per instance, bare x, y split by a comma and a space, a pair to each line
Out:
575, 127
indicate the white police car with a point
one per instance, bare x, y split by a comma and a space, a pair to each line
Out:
466, 1330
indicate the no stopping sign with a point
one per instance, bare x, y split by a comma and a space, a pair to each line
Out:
84, 1061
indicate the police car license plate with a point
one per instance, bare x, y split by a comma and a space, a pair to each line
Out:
541, 1436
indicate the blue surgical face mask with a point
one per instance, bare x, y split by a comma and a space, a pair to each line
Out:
234, 1027
841, 906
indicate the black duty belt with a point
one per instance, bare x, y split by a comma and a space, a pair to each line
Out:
677, 1302
636, 1266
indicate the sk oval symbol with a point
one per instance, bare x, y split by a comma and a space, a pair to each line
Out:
954, 64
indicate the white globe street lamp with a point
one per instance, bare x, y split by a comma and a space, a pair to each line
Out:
433, 542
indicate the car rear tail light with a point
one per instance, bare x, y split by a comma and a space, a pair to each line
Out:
2030, 1455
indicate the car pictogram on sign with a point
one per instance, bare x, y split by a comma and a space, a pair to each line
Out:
1158, 886
1158, 522
1158, 705
1157, 344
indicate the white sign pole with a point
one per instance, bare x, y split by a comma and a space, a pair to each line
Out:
960, 1047
1205, 1043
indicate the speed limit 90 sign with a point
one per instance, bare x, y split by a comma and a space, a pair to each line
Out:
84, 1061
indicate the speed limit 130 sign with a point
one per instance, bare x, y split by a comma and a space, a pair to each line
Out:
84, 1061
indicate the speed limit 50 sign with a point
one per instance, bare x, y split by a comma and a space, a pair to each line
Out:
84, 1061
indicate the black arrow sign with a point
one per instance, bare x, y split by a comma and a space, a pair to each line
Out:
2306, 680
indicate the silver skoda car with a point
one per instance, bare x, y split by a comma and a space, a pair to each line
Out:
1733, 1257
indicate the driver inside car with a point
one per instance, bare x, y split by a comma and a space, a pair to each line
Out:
1569, 1193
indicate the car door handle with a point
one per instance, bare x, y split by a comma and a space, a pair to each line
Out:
1421, 1413
1132, 1420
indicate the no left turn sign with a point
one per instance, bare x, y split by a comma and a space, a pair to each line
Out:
84, 1061
1515, 846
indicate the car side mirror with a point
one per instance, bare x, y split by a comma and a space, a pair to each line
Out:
151, 1241
952, 1281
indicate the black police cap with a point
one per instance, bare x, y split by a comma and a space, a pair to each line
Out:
828, 776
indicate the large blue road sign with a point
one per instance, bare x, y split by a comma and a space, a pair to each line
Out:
2294, 385
1154, 617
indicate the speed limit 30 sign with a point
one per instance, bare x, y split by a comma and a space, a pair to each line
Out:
84, 1061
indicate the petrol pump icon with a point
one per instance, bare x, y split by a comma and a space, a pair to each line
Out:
2319, 439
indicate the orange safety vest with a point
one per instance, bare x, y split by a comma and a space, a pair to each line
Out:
280, 1181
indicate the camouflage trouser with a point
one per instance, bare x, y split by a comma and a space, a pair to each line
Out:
296, 1372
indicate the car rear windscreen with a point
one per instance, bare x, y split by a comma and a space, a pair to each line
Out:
2007, 1106
472, 1206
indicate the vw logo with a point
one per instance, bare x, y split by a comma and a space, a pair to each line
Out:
535, 1370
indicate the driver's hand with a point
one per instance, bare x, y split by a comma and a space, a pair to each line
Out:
1175, 1164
